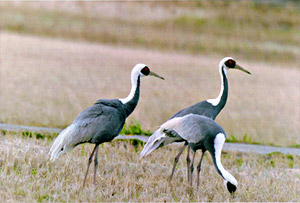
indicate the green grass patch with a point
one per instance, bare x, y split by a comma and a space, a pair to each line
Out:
246, 139
134, 128
38, 135
295, 146
287, 159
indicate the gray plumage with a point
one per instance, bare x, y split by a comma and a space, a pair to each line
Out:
101, 122
192, 129
204, 108
199, 132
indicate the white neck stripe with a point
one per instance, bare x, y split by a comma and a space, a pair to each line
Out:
134, 78
217, 100
219, 141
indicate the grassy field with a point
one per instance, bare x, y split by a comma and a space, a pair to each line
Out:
47, 82
27, 175
57, 58
267, 32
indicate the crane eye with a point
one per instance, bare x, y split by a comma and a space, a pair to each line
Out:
145, 70
230, 63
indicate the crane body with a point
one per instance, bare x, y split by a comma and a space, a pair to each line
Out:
200, 133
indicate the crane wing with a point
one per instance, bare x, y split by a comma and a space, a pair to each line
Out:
201, 108
190, 128
98, 123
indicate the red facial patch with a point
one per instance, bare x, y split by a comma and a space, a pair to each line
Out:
145, 70
230, 63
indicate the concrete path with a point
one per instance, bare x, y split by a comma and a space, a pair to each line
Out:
23, 128
239, 147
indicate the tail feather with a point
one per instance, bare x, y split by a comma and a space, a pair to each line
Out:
153, 143
61, 144
160, 138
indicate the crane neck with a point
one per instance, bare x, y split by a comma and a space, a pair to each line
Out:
131, 101
218, 145
221, 100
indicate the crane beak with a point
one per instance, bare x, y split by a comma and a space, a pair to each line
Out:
156, 75
242, 69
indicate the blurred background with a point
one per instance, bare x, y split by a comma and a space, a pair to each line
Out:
57, 58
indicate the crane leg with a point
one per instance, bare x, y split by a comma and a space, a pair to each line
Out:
95, 163
199, 169
176, 160
191, 167
188, 161
89, 163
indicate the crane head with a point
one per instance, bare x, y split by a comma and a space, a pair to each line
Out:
144, 70
230, 63
231, 187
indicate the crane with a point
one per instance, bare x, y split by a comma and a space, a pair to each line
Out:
209, 108
101, 122
199, 132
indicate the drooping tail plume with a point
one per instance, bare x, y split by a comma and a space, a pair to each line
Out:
160, 138
61, 143
153, 143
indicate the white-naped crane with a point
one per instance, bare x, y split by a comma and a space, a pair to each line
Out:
209, 108
199, 132
101, 122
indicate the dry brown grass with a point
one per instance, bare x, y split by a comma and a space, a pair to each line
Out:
49, 82
248, 29
28, 176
